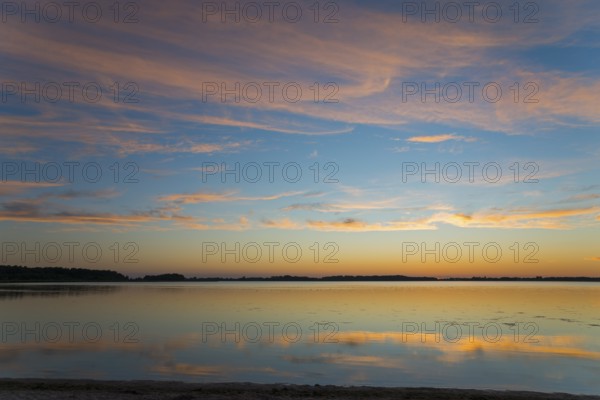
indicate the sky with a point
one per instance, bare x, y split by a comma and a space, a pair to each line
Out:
303, 138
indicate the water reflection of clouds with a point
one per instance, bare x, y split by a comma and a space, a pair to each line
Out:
173, 356
370, 346
347, 360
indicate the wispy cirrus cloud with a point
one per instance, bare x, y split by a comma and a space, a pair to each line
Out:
10, 187
522, 218
169, 217
39, 210
284, 223
127, 147
199, 224
499, 219
392, 204
581, 197
210, 197
365, 57
350, 224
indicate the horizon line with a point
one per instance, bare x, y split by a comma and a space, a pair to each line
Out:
77, 273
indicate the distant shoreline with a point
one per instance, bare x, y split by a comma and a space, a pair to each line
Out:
20, 274
150, 390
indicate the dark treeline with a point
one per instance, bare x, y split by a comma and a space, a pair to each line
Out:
58, 274
10, 274
291, 278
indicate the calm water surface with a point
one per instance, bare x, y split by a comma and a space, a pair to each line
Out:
534, 336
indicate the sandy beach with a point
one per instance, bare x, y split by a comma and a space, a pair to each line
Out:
38, 389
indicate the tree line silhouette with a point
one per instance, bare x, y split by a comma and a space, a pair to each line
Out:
15, 273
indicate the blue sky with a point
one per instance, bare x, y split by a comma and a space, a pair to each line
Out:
360, 121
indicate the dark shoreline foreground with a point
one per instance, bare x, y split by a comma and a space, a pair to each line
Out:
38, 389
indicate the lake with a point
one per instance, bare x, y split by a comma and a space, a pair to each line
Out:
497, 335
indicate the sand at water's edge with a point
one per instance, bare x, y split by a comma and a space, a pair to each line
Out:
43, 389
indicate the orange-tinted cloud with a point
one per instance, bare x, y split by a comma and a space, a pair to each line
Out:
207, 197
284, 223
370, 55
15, 187
353, 225
439, 138
516, 218
507, 219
